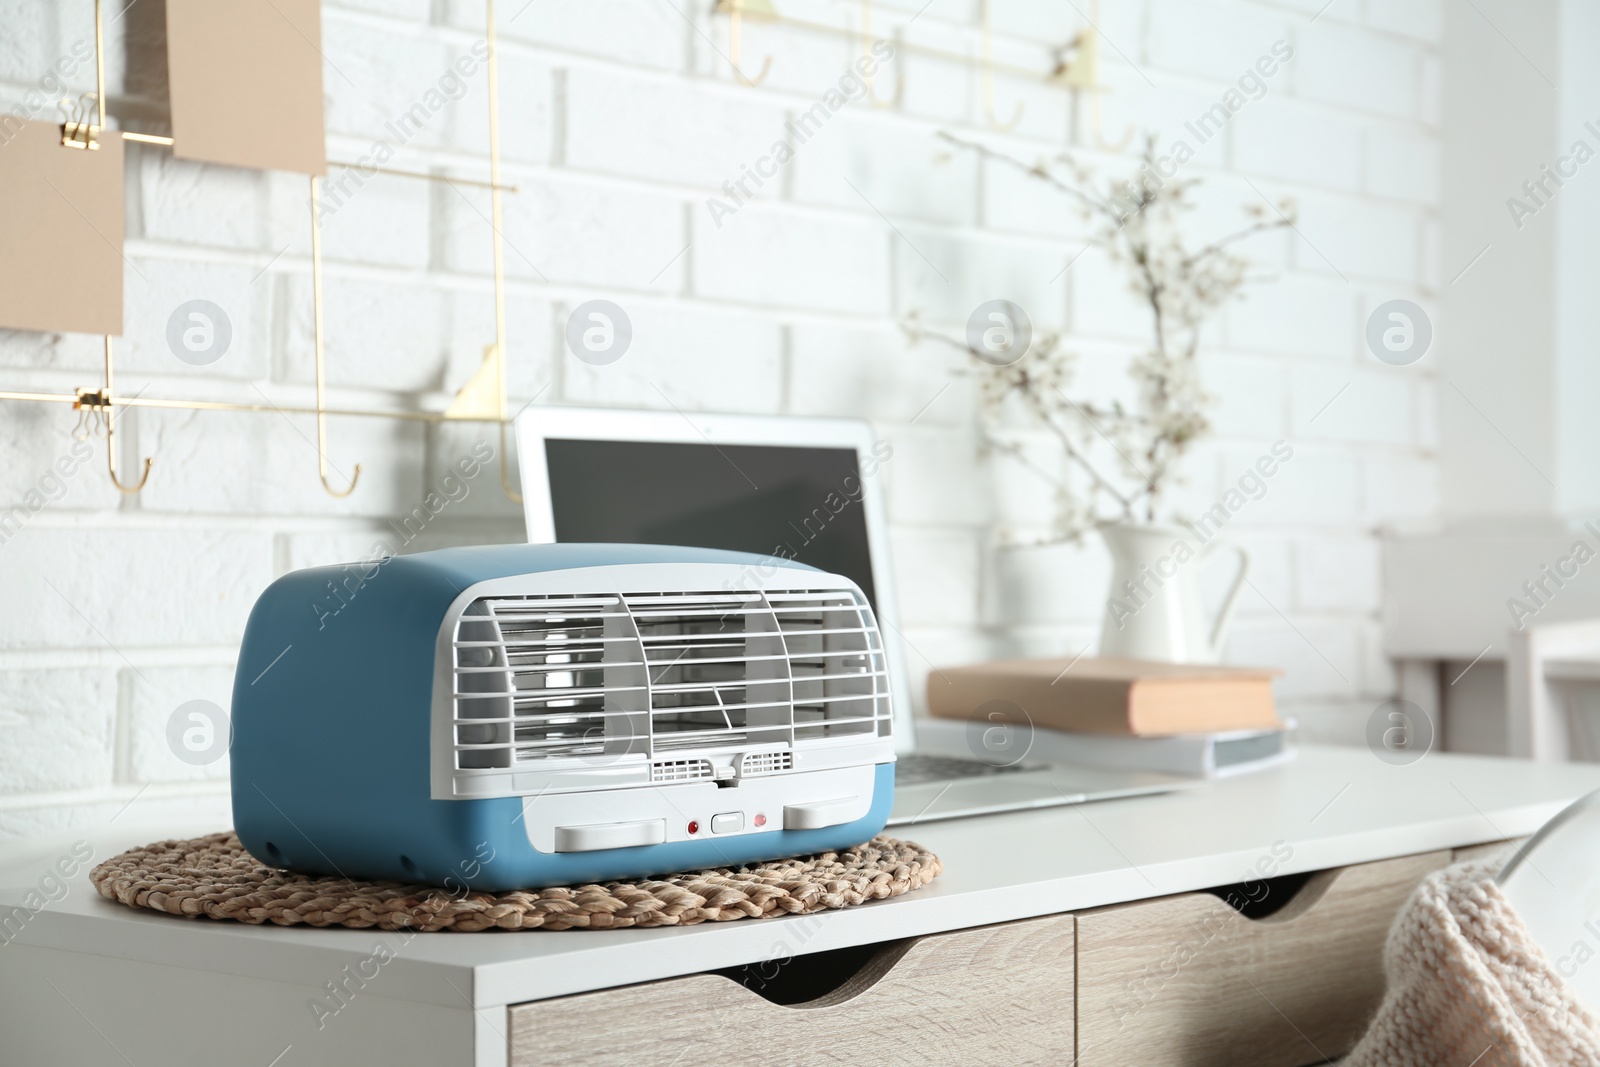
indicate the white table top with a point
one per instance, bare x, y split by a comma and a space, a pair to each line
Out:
1329, 808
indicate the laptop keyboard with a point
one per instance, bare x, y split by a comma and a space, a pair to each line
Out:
918, 769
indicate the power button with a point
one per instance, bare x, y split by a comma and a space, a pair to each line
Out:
730, 823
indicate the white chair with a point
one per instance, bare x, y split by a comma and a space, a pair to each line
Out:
1554, 883
1541, 654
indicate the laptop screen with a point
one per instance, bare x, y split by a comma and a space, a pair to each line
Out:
792, 502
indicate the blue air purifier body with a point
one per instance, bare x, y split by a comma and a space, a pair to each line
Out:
522, 716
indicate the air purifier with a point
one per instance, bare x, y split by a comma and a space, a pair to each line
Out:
520, 716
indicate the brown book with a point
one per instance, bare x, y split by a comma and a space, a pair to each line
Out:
1111, 696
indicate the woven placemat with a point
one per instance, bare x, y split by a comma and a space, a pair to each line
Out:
214, 876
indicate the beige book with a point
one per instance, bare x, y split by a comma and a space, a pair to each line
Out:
1110, 696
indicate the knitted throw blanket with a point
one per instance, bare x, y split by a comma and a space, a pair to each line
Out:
1466, 985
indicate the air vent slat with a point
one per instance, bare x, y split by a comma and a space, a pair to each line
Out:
553, 693
546, 641
850, 676
832, 722
653, 616
714, 708
569, 621
543, 743
555, 666
702, 660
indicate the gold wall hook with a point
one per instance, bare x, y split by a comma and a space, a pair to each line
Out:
322, 472
866, 47
988, 78
91, 406
736, 10
316, 318
111, 464
1100, 141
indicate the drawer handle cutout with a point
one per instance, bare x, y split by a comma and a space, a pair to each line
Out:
1281, 899
820, 979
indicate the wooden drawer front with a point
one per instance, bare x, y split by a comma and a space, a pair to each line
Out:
1498, 849
1187, 980
997, 994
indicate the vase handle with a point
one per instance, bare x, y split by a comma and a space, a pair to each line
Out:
1219, 628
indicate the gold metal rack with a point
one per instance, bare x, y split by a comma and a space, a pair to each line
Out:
80, 133
1076, 62
484, 397
765, 11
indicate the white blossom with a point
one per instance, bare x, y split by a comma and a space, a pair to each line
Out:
1129, 456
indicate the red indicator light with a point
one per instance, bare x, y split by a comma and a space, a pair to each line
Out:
694, 827
760, 820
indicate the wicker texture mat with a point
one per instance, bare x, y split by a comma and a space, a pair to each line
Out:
214, 876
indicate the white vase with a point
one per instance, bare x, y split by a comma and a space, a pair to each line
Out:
1154, 609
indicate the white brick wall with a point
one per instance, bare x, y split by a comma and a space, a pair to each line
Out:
620, 120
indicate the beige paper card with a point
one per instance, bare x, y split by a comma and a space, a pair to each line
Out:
60, 232
245, 80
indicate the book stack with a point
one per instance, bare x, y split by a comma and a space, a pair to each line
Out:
1126, 714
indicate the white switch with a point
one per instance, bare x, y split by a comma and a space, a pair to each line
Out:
610, 835
820, 813
730, 823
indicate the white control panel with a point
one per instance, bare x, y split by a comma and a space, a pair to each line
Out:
697, 811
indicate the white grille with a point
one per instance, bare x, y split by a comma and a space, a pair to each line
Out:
637, 676
757, 763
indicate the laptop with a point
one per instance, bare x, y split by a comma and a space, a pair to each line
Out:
800, 488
